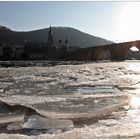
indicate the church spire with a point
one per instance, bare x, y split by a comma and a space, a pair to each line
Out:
50, 37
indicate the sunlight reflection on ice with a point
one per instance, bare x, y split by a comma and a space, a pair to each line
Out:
134, 67
135, 102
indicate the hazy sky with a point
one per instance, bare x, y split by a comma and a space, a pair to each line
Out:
117, 21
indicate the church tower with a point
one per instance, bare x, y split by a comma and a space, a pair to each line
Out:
50, 37
51, 50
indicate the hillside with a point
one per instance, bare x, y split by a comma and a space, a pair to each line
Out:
74, 36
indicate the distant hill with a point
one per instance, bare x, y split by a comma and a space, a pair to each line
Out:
74, 36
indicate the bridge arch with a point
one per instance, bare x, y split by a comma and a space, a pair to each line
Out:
133, 53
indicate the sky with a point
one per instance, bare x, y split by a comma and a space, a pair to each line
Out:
115, 21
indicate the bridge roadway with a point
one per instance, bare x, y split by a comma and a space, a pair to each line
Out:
115, 51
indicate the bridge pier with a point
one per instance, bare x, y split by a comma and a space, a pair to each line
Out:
118, 52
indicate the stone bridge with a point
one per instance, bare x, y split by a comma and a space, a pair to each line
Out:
115, 51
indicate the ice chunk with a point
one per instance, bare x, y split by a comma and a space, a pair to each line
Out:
38, 122
54, 131
15, 126
7, 118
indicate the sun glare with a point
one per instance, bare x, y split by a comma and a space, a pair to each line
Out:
128, 26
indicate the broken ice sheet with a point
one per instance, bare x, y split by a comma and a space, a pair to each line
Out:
8, 118
38, 122
15, 126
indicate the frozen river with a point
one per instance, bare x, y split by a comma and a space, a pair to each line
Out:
36, 85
